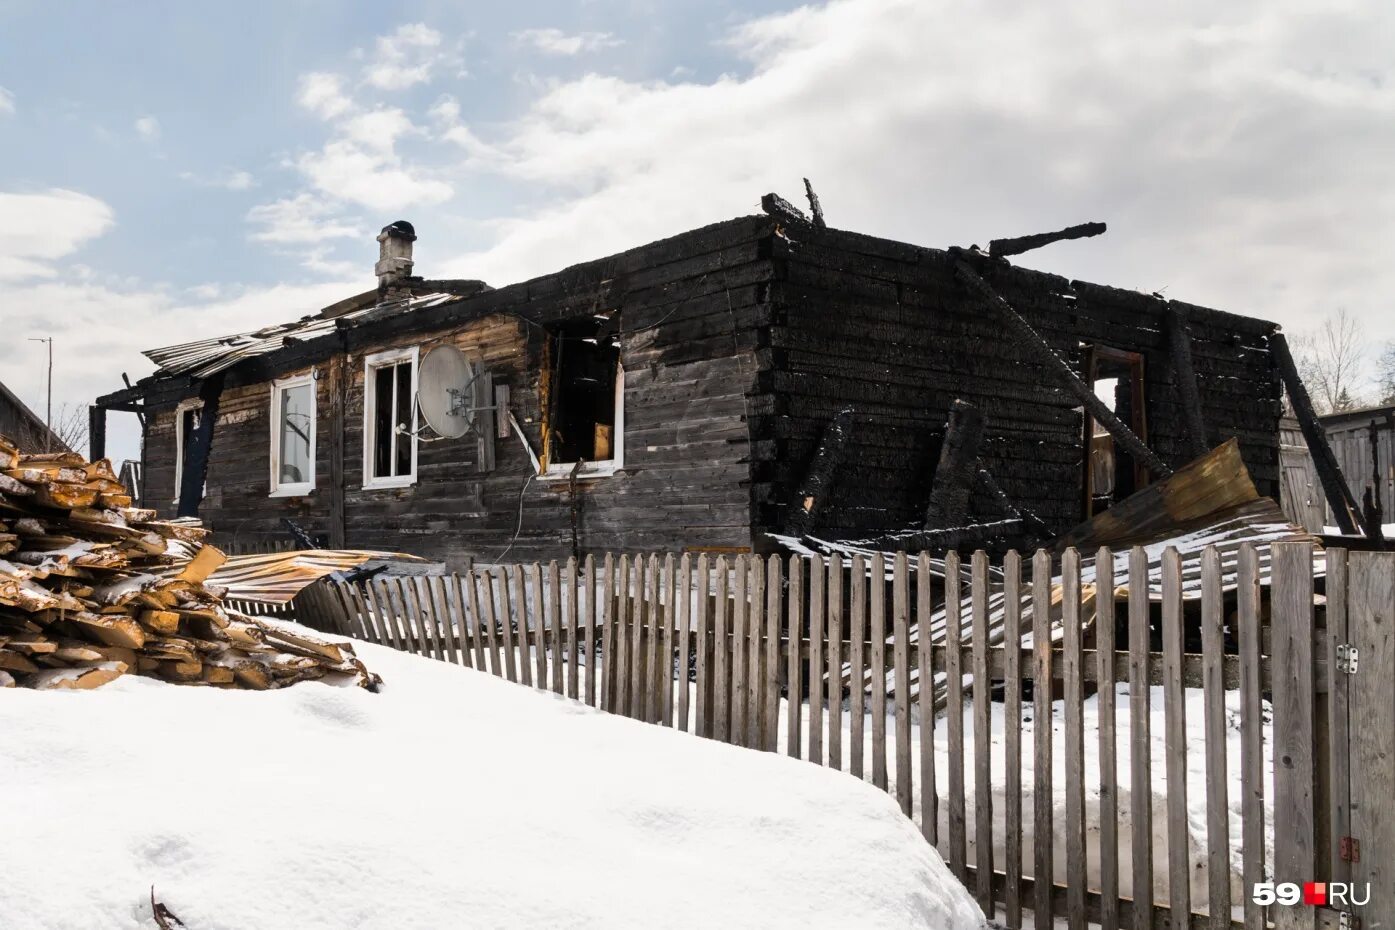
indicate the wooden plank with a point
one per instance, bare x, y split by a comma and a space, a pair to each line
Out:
1012, 738
655, 616
817, 616
1179, 867
773, 619
504, 619
1337, 706
901, 674
1140, 741
1109, 767
740, 635
590, 601
954, 715
834, 656
536, 619
417, 614
1252, 769
553, 602
665, 665
857, 650
702, 585
483, 609
430, 617
1073, 707
983, 733
383, 610
1291, 595
685, 636
445, 623
925, 696
518, 610
1042, 864
573, 625
1371, 611
397, 597
877, 615
467, 602
366, 612
604, 601
620, 673
794, 607
1217, 800
721, 658
755, 657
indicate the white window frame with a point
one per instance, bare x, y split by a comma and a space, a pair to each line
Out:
370, 408
279, 387
184, 407
562, 471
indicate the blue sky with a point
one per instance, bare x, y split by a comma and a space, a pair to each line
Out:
170, 172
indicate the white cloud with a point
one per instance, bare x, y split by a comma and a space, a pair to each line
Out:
405, 58
232, 179
40, 228
556, 42
323, 94
297, 220
7, 101
371, 177
148, 127
378, 129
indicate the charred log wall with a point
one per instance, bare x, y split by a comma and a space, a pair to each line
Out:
886, 328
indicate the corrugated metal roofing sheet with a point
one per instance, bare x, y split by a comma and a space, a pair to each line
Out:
210, 356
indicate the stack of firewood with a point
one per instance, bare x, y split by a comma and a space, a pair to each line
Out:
92, 588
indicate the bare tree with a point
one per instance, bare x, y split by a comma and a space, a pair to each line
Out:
1330, 361
1385, 373
69, 428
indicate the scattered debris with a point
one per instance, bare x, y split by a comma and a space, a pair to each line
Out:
92, 588
163, 915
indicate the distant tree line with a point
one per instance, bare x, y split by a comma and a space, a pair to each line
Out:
1341, 369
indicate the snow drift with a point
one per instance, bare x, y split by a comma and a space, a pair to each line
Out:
452, 799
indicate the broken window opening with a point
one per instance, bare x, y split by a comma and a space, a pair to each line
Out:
584, 420
1110, 474
187, 417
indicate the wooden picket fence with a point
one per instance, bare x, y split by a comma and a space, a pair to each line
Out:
804, 655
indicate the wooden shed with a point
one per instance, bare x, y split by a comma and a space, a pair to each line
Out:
710, 391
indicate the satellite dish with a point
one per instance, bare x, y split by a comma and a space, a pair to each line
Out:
446, 391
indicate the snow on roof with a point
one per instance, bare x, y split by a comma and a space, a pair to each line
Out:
451, 799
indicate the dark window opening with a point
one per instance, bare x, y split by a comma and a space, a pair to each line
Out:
583, 393
392, 408
1110, 473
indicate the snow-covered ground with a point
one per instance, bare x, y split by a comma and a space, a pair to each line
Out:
452, 799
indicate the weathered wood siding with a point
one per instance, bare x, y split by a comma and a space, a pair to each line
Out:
885, 328
688, 309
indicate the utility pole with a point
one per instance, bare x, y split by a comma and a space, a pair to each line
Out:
48, 400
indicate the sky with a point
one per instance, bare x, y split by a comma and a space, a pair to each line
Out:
175, 171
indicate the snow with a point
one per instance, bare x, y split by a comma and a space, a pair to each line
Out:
451, 799
1387, 530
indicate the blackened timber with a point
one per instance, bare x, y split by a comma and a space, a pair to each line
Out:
337, 391
1334, 487
1026, 338
1184, 380
812, 492
96, 432
1001, 248
815, 207
955, 472
784, 211
195, 466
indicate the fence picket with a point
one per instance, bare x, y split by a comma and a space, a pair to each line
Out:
702, 722
793, 661
653, 618
553, 603
834, 655
370, 620
925, 700
1140, 742
605, 603
1295, 856
877, 635
1217, 813
666, 644
573, 627
1012, 737
505, 620
589, 600
430, 619
755, 658
740, 612
1251, 728
533, 612
983, 738
618, 675
493, 635
857, 651
1175, 723
445, 623
954, 714
817, 616
901, 660
1109, 769
388, 612
685, 633
1043, 867
773, 593
1337, 704
721, 647
467, 603
1074, 708
410, 618
515, 604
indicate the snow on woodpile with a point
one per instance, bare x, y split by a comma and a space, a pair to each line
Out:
450, 799
92, 588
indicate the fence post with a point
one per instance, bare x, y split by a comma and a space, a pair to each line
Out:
1292, 613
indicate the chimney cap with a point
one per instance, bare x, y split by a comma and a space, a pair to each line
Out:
400, 229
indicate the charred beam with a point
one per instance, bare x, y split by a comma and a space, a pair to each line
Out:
1184, 377
956, 469
812, 492
196, 464
1001, 248
975, 534
1021, 333
1334, 487
1371, 508
814, 206
96, 432
1030, 521
786, 212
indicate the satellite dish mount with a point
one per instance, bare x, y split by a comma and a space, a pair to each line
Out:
449, 390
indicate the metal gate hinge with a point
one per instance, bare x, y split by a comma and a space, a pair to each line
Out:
1348, 921
1349, 849
1347, 655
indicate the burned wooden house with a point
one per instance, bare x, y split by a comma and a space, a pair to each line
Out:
762, 377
